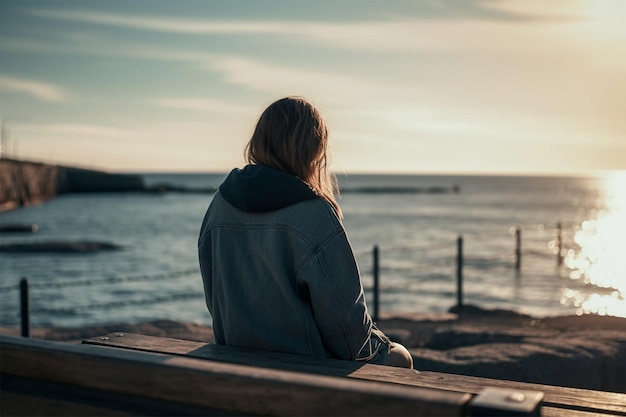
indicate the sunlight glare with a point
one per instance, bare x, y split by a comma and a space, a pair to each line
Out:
599, 262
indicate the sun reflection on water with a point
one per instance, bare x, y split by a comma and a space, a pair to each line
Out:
599, 264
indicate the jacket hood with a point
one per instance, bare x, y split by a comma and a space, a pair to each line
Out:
258, 189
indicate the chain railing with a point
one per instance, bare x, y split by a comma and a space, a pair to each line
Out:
25, 287
424, 265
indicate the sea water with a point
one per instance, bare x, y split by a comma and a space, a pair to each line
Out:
415, 221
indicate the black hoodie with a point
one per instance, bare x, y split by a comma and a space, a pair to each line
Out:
260, 189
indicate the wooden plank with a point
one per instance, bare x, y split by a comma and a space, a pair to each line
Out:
564, 412
33, 396
561, 397
21, 404
574, 399
217, 385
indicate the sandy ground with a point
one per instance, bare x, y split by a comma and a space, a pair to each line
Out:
575, 351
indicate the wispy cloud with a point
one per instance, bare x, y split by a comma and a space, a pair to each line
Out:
383, 35
185, 26
406, 33
202, 105
86, 130
40, 90
253, 74
102, 46
265, 77
402, 34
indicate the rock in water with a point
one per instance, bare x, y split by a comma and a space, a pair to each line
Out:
58, 247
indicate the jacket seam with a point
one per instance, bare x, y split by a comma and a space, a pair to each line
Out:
341, 320
308, 333
204, 258
265, 226
324, 267
315, 251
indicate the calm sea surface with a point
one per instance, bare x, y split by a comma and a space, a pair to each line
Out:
155, 273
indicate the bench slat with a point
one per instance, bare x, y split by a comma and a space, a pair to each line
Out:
216, 385
555, 397
17, 404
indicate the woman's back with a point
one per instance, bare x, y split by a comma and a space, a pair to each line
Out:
264, 262
278, 270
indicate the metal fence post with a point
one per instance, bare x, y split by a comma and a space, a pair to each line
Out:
25, 307
459, 272
376, 275
518, 248
559, 244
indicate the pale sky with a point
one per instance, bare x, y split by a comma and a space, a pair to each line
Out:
465, 86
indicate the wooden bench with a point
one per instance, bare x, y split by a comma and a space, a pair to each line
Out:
127, 374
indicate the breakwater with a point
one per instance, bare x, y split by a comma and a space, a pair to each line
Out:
24, 183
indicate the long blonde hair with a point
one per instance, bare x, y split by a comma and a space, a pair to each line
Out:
291, 136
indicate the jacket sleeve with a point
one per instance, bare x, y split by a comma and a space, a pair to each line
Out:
206, 267
338, 302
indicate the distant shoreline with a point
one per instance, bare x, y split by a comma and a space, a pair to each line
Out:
27, 183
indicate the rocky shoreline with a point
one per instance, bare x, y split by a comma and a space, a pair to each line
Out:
572, 351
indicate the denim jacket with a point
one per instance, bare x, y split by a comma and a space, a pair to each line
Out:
279, 273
